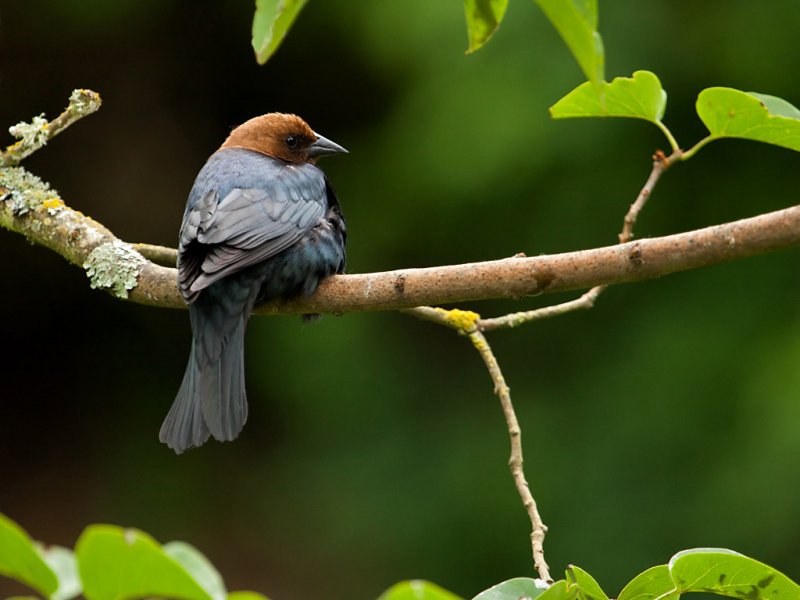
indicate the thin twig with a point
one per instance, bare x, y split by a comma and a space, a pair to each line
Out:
586, 301
467, 323
660, 164
39, 131
515, 462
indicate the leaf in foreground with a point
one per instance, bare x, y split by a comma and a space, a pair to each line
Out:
513, 589
116, 563
271, 23
712, 570
417, 589
576, 23
584, 585
727, 112
20, 560
483, 19
199, 567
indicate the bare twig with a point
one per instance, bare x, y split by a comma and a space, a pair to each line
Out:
515, 462
660, 164
467, 323
586, 301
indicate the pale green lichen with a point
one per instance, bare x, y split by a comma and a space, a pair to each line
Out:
33, 134
114, 266
23, 192
84, 101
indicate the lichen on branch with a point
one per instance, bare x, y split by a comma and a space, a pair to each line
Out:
114, 266
34, 135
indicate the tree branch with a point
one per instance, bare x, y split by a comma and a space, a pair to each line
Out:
30, 207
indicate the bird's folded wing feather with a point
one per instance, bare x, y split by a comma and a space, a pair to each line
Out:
247, 226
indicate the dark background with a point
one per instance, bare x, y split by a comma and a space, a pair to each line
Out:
665, 418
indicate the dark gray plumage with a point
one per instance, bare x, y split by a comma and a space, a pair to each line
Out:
256, 228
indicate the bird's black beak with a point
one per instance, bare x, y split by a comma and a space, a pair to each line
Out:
323, 146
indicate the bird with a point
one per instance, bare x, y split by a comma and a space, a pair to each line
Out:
262, 222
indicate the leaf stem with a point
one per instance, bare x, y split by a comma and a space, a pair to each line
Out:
693, 150
670, 138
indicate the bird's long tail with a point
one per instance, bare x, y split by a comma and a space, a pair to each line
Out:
212, 398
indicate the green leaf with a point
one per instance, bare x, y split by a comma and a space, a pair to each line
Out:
417, 589
638, 97
713, 570
20, 560
583, 584
199, 567
62, 562
116, 564
558, 591
729, 573
483, 19
271, 23
246, 596
655, 583
576, 23
513, 589
732, 113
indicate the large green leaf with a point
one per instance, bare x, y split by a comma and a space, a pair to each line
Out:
513, 589
483, 19
654, 584
729, 573
20, 560
584, 584
199, 567
638, 97
576, 23
116, 564
558, 591
732, 113
417, 590
713, 570
271, 23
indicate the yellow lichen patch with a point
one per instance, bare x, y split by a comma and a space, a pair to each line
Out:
53, 202
463, 320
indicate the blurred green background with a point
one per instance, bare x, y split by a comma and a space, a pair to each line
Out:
665, 418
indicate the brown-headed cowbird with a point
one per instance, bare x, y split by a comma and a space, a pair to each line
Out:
261, 222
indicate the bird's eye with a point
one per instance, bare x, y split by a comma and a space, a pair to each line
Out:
291, 141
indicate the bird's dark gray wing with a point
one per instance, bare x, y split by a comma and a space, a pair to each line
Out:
247, 226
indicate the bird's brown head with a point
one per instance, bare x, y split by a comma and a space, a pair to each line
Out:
283, 136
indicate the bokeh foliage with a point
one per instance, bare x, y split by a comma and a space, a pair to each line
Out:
664, 418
